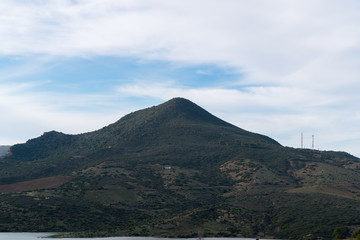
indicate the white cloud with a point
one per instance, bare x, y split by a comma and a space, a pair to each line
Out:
304, 54
269, 40
28, 113
273, 42
280, 112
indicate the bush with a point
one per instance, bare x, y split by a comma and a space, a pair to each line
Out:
356, 235
341, 233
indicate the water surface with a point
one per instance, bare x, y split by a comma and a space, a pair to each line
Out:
42, 236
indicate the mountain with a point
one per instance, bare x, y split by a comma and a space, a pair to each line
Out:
4, 149
176, 170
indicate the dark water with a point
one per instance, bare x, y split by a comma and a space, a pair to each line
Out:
41, 236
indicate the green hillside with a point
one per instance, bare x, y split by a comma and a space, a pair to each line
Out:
176, 170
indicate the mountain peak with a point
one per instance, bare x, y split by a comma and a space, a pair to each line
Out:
184, 108
179, 101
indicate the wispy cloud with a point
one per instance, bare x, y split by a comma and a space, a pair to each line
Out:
281, 112
273, 42
27, 113
297, 61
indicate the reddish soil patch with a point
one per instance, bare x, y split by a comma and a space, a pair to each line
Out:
41, 183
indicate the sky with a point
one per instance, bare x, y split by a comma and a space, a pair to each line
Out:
274, 67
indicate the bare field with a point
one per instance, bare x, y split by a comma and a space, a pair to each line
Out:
41, 183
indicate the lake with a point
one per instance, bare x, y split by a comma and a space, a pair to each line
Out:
39, 236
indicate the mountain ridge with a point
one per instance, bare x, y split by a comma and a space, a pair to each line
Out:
174, 115
176, 170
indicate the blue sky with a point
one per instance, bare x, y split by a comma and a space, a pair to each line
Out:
274, 67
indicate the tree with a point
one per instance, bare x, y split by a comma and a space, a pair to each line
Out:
341, 232
356, 235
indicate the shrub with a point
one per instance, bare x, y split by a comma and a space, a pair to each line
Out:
341, 232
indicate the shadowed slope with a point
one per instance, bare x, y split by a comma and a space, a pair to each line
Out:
177, 129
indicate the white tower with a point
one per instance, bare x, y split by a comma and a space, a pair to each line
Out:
302, 140
313, 141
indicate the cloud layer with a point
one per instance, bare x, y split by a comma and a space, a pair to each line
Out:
297, 61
